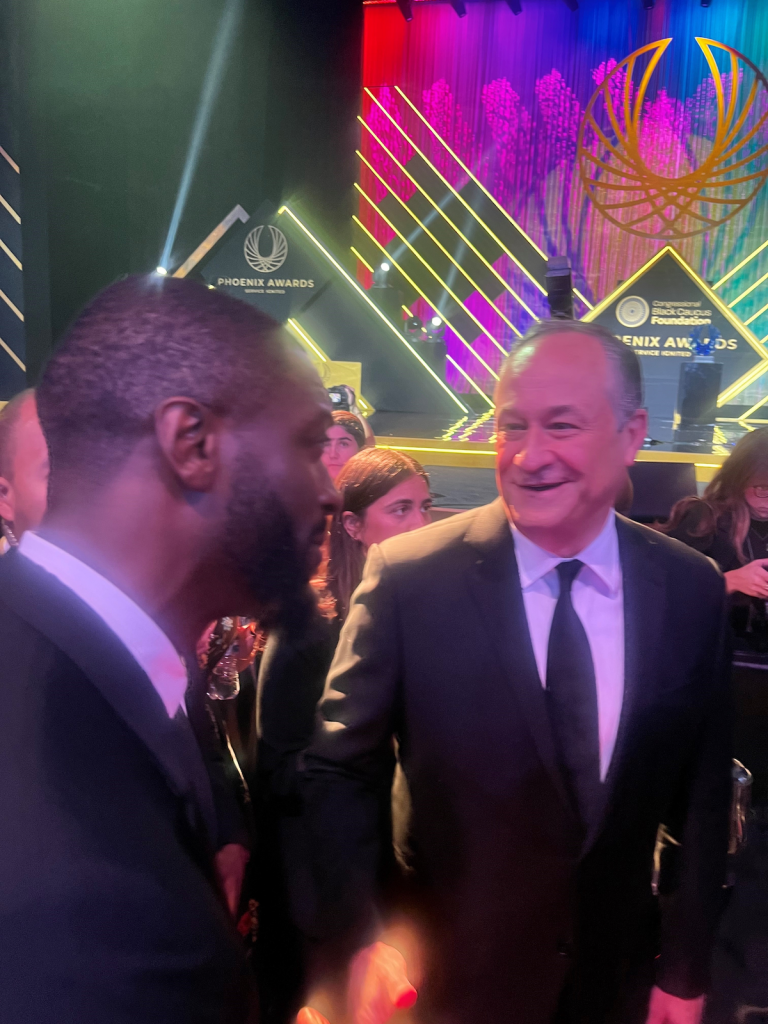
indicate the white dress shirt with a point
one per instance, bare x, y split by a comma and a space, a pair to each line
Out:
598, 600
139, 633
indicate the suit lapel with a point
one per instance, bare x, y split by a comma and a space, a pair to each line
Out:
643, 584
72, 626
495, 585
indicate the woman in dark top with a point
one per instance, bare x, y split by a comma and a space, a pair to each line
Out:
383, 493
730, 524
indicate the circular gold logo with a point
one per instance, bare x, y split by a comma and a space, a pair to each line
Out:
632, 311
724, 170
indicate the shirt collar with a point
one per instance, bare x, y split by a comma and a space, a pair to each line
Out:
144, 639
601, 556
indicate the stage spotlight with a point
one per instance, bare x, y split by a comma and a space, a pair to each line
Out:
381, 275
515, 6
405, 9
161, 271
414, 327
436, 321
459, 6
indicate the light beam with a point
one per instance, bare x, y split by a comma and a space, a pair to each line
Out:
222, 44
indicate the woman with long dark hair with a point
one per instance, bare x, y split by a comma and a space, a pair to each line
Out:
729, 523
383, 493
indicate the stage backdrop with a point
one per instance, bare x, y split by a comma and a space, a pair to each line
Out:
604, 176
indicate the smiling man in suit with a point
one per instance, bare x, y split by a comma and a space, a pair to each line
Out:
186, 484
556, 679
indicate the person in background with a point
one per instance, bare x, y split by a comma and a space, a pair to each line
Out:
383, 493
729, 523
556, 679
23, 469
344, 438
186, 484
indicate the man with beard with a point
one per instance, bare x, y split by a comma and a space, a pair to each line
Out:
186, 484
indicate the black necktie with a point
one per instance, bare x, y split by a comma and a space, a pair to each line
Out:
572, 699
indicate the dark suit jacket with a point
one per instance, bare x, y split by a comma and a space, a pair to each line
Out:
108, 909
513, 905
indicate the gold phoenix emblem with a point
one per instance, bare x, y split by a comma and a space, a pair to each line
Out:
722, 175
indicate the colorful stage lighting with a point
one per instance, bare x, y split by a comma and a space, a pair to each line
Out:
161, 271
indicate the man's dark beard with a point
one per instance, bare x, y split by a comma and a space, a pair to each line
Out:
260, 539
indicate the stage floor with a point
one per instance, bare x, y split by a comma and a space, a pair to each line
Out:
469, 441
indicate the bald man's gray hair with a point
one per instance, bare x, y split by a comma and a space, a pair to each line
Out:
628, 393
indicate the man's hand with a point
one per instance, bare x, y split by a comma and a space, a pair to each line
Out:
378, 985
667, 1009
230, 863
309, 1016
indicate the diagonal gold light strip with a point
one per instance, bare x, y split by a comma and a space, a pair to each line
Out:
10, 160
747, 291
236, 213
457, 195
4, 202
758, 405
432, 271
9, 254
439, 244
742, 383
311, 345
302, 335
15, 309
13, 355
756, 315
447, 219
467, 171
738, 266
366, 298
365, 262
464, 374
390, 258
483, 189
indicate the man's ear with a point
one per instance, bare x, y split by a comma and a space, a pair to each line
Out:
635, 432
352, 524
7, 500
189, 437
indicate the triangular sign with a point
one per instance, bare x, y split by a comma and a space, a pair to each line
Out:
654, 313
